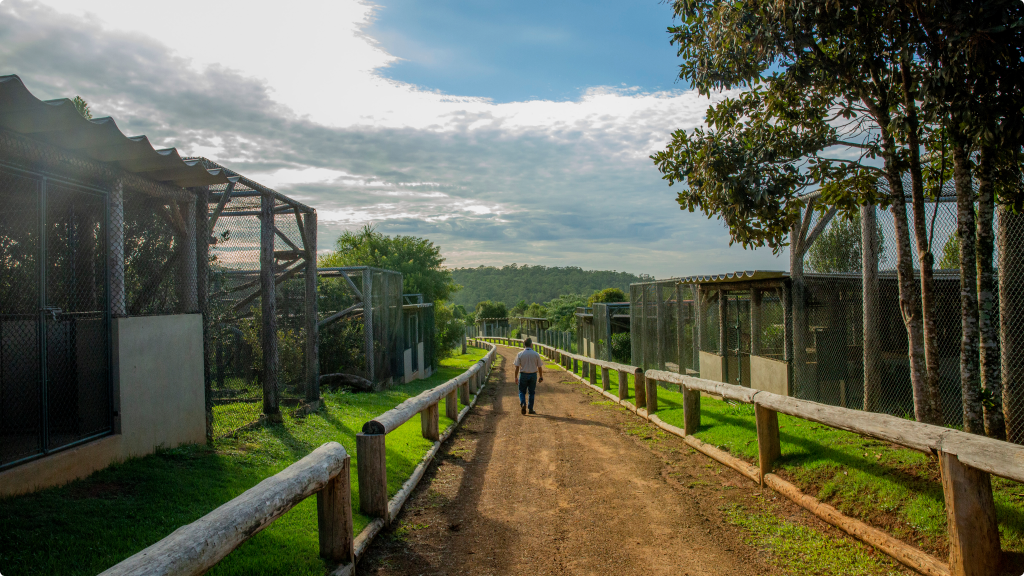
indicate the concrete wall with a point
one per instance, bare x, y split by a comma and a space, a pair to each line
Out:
769, 375
712, 366
158, 394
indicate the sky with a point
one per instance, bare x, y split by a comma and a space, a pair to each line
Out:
505, 132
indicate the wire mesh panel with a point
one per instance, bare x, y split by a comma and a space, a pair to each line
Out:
159, 273
55, 387
236, 306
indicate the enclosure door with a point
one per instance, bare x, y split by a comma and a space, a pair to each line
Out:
55, 386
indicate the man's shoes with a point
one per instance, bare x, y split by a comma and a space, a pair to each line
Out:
532, 411
522, 408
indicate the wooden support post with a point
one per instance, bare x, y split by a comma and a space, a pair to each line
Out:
623, 385
464, 393
661, 317
474, 379
723, 333
368, 320
268, 302
971, 519
451, 405
203, 296
652, 395
372, 471
429, 422
699, 318
593, 374
334, 518
755, 322
187, 264
606, 381
463, 343
869, 306
575, 365
769, 448
691, 411
640, 388
680, 330
115, 251
311, 311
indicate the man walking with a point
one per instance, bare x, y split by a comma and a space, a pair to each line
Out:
529, 365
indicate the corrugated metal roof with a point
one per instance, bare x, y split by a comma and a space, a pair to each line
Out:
58, 123
739, 276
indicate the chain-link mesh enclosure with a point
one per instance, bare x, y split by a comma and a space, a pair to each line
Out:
73, 255
239, 392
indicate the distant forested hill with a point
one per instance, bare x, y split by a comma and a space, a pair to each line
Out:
512, 283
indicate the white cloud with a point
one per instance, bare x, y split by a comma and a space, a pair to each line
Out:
292, 98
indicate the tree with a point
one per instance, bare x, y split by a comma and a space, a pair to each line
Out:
448, 329
82, 106
607, 295
535, 311
838, 248
562, 311
829, 89
973, 83
491, 310
418, 259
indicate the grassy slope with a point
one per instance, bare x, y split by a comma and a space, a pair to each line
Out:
896, 489
89, 525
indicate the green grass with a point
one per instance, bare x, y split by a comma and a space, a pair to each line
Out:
894, 488
797, 549
91, 524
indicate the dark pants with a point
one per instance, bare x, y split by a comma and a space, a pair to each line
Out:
527, 382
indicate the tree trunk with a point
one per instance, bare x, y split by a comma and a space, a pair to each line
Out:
1011, 320
910, 296
988, 311
924, 254
970, 377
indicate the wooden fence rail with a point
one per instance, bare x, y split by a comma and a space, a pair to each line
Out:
965, 460
371, 453
195, 548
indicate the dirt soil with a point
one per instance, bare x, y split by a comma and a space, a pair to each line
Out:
582, 487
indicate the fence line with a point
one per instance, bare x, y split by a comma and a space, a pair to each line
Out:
371, 454
195, 548
965, 460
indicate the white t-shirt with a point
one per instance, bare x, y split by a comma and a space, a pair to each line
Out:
528, 361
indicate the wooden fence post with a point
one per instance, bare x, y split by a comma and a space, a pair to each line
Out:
768, 447
691, 411
472, 381
971, 518
334, 518
652, 395
606, 381
451, 405
623, 385
640, 388
464, 393
575, 365
593, 374
429, 422
372, 470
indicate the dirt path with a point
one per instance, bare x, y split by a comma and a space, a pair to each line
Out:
579, 488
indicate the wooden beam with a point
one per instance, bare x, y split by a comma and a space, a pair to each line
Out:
224, 199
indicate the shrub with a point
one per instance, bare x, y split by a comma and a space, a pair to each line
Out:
622, 350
